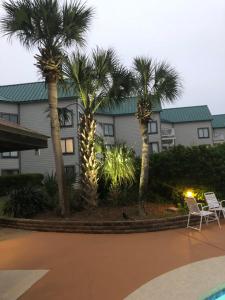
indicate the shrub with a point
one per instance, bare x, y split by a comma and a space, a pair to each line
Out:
12, 182
24, 202
199, 167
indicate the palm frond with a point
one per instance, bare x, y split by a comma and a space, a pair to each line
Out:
76, 22
78, 70
99, 78
155, 83
167, 86
119, 166
46, 24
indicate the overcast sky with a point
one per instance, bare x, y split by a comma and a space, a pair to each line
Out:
189, 34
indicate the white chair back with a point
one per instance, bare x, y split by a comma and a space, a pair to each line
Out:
211, 200
192, 205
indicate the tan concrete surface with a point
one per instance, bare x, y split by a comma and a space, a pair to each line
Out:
105, 267
14, 283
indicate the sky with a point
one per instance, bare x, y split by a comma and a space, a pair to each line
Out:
188, 34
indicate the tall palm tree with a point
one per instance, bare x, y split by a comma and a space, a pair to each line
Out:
155, 83
51, 28
100, 81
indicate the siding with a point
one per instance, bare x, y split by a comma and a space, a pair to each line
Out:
35, 116
127, 131
187, 133
9, 163
107, 120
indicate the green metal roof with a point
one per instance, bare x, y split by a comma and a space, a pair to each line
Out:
186, 114
27, 92
37, 91
126, 107
218, 121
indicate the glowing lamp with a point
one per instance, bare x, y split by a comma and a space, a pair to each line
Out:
189, 194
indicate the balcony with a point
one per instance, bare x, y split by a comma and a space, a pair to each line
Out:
218, 138
168, 133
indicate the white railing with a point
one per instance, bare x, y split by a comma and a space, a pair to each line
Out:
167, 132
218, 137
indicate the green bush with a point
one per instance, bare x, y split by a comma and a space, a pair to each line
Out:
24, 202
181, 168
12, 182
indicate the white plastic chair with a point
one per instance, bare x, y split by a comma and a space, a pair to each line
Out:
214, 204
194, 210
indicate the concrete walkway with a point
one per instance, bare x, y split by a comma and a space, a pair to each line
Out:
105, 267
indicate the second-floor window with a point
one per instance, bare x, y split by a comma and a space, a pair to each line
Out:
66, 118
67, 145
9, 117
108, 129
12, 154
152, 127
203, 133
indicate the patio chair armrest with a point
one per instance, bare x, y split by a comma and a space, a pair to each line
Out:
204, 207
220, 202
201, 206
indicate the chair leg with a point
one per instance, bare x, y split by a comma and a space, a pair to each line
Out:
189, 217
200, 227
218, 220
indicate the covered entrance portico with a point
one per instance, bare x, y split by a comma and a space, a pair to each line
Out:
14, 137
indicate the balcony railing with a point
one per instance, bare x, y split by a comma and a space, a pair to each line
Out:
218, 137
168, 133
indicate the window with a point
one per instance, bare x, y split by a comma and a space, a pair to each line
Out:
10, 172
66, 118
108, 129
203, 133
70, 171
12, 154
154, 147
152, 127
9, 117
67, 145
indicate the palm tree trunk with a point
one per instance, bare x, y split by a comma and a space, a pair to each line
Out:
144, 165
89, 165
56, 142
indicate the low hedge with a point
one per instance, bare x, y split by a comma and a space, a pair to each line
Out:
12, 182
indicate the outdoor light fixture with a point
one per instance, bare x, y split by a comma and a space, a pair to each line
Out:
189, 194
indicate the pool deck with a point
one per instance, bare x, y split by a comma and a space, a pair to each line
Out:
108, 267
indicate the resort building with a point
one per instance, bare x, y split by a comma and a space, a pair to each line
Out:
27, 105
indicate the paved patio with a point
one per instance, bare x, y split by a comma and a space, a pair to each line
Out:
104, 267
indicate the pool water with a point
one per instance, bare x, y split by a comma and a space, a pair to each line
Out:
217, 296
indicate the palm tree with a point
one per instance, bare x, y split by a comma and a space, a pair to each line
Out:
155, 83
51, 28
100, 81
118, 166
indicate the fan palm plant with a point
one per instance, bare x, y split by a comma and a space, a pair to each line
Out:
49, 27
100, 81
119, 166
155, 83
